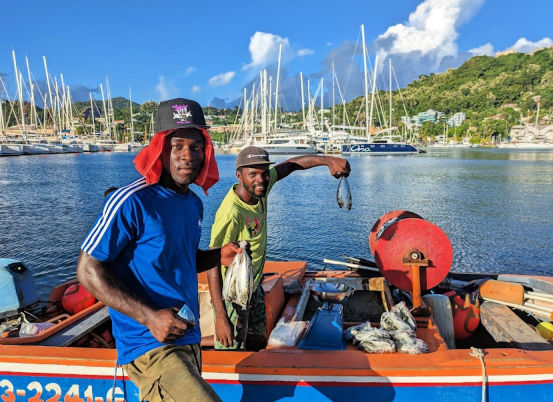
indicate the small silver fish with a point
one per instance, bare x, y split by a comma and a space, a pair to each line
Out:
343, 194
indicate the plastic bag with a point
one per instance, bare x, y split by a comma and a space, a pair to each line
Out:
286, 333
398, 319
397, 332
378, 345
407, 342
238, 284
33, 328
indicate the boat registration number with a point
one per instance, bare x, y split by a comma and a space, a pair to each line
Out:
36, 391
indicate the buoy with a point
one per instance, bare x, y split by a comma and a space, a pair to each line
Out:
466, 316
76, 298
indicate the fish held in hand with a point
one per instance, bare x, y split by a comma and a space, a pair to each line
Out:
238, 283
343, 193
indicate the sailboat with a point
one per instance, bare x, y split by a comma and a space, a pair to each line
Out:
272, 138
387, 141
132, 145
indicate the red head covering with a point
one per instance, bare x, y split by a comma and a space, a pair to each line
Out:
148, 161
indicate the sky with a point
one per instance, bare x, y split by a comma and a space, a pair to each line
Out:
209, 51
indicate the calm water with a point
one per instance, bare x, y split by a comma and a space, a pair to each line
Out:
496, 206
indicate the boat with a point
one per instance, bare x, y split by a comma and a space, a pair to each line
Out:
494, 363
105, 145
386, 141
284, 143
10, 149
132, 146
382, 143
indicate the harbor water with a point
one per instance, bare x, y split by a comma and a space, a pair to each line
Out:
496, 206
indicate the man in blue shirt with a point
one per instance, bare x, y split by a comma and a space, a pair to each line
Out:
141, 258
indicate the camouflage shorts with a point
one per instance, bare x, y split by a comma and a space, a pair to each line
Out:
249, 329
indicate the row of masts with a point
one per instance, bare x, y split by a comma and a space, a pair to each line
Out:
258, 111
57, 107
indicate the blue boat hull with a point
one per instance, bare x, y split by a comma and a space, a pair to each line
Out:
35, 386
380, 149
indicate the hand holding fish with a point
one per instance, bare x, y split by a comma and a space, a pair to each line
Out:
339, 167
228, 251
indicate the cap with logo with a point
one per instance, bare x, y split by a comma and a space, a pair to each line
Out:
251, 156
179, 113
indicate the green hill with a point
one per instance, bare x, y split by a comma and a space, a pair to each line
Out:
505, 87
483, 84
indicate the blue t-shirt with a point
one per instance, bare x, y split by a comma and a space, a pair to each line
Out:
150, 235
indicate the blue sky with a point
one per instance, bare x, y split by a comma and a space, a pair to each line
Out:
211, 50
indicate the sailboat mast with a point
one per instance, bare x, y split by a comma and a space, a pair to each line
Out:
390, 60
106, 120
333, 95
367, 120
373, 90
276, 93
92, 113
132, 126
322, 107
50, 96
19, 91
263, 78
57, 101
245, 114
302, 100
2, 123
64, 103
32, 90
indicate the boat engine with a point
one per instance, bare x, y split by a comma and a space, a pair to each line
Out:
411, 253
17, 287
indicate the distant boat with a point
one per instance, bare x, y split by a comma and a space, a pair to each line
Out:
285, 144
384, 142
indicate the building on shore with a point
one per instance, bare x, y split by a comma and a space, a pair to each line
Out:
532, 133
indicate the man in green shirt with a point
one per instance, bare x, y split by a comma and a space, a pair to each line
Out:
243, 216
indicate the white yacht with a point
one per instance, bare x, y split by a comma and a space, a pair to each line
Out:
283, 144
10, 149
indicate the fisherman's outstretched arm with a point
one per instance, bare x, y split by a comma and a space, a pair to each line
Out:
207, 259
98, 278
337, 166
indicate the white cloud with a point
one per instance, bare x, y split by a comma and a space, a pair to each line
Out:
484, 50
328, 44
189, 70
264, 49
195, 89
430, 32
166, 89
221, 79
523, 45
305, 52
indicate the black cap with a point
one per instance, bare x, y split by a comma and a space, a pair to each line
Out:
179, 113
251, 156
